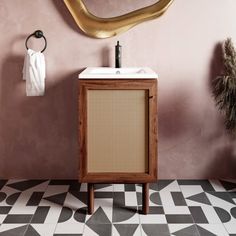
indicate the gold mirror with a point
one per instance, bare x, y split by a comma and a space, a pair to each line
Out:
99, 27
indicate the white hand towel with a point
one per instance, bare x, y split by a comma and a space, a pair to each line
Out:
34, 73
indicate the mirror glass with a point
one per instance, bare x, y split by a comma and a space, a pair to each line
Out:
112, 8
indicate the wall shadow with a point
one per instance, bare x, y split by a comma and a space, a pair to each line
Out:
174, 115
38, 134
105, 57
224, 165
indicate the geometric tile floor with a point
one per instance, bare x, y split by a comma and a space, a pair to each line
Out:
59, 208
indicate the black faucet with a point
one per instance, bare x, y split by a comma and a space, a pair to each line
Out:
118, 55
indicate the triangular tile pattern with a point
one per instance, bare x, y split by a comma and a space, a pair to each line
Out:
222, 195
24, 185
60, 207
106, 205
38, 188
31, 232
55, 189
98, 217
102, 186
82, 196
191, 230
205, 184
126, 229
101, 229
18, 231
163, 183
154, 186
87, 232
212, 230
58, 198
73, 202
200, 198
204, 232
42, 229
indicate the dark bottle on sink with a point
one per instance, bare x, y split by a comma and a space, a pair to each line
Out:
118, 50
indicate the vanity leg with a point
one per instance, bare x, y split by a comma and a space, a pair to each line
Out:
90, 198
145, 198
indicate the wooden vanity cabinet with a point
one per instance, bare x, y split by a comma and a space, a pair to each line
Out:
117, 133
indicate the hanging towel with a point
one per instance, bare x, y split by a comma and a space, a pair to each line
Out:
34, 73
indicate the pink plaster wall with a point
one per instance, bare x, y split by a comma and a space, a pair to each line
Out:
38, 136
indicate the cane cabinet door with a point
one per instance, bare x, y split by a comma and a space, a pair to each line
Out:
118, 130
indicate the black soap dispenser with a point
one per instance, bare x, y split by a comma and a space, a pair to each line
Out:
118, 50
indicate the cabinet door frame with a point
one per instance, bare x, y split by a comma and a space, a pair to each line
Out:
114, 84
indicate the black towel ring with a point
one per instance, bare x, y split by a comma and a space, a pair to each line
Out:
37, 34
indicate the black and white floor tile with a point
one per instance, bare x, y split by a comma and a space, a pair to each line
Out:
59, 208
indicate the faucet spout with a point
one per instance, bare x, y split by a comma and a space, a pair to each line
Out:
118, 55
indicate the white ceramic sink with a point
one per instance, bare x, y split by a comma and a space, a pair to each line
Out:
118, 73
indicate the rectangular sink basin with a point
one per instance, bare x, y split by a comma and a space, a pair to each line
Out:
118, 73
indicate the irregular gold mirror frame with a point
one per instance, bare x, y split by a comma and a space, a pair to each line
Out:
108, 27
